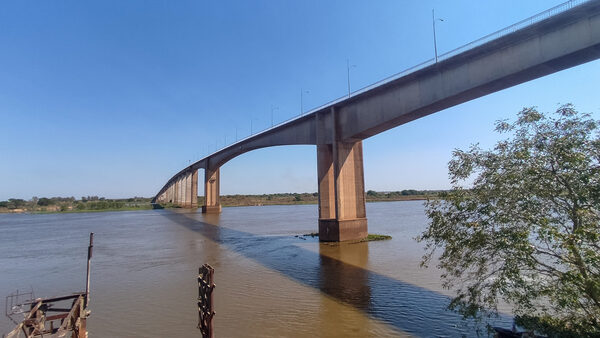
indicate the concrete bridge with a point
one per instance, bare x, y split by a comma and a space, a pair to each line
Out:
562, 37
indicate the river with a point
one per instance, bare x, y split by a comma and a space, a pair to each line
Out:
270, 283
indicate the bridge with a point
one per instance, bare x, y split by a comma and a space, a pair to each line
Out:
559, 38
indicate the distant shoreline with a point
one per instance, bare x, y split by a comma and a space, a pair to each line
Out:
58, 205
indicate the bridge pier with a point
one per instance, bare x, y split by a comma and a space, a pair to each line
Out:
212, 204
177, 185
342, 213
194, 189
189, 184
185, 198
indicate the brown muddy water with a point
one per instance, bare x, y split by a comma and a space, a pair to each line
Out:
269, 282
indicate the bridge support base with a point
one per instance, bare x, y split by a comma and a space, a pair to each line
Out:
333, 230
215, 209
342, 214
212, 204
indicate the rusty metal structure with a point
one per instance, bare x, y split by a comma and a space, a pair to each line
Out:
205, 301
38, 321
55, 317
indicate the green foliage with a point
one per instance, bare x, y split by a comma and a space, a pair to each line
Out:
43, 202
16, 203
527, 230
3, 204
376, 237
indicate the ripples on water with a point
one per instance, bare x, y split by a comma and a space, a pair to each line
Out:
269, 283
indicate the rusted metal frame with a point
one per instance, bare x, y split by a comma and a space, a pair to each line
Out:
69, 320
56, 309
56, 317
34, 324
56, 299
21, 325
205, 301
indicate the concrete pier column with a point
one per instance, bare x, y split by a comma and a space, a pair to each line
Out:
180, 191
212, 204
190, 194
187, 182
176, 202
176, 191
342, 214
194, 190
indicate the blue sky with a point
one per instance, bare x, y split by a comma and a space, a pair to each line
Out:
111, 98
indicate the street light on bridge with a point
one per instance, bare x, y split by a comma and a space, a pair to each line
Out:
434, 38
302, 92
348, 66
251, 124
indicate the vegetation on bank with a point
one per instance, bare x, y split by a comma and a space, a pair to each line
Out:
313, 198
95, 203
70, 204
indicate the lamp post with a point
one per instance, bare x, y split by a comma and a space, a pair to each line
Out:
302, 92
251, 125
348, 68
434, 38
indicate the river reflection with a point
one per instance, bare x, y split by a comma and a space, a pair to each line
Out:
338, 270
269, 282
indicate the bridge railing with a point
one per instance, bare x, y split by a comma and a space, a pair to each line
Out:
490, 37
471, 45
514, 27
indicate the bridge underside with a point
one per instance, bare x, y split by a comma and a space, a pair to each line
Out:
342, 212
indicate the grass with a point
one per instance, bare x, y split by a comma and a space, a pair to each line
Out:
370, 237
376, 237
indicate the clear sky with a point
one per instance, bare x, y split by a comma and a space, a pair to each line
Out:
111, 98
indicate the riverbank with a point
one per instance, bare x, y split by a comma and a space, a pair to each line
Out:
308, 198
95, 204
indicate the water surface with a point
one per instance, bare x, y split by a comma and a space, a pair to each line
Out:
269, 282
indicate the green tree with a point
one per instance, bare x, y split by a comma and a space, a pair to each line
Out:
44, 202
16, 203
526, 230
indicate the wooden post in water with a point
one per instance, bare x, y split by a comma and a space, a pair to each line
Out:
205, 303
